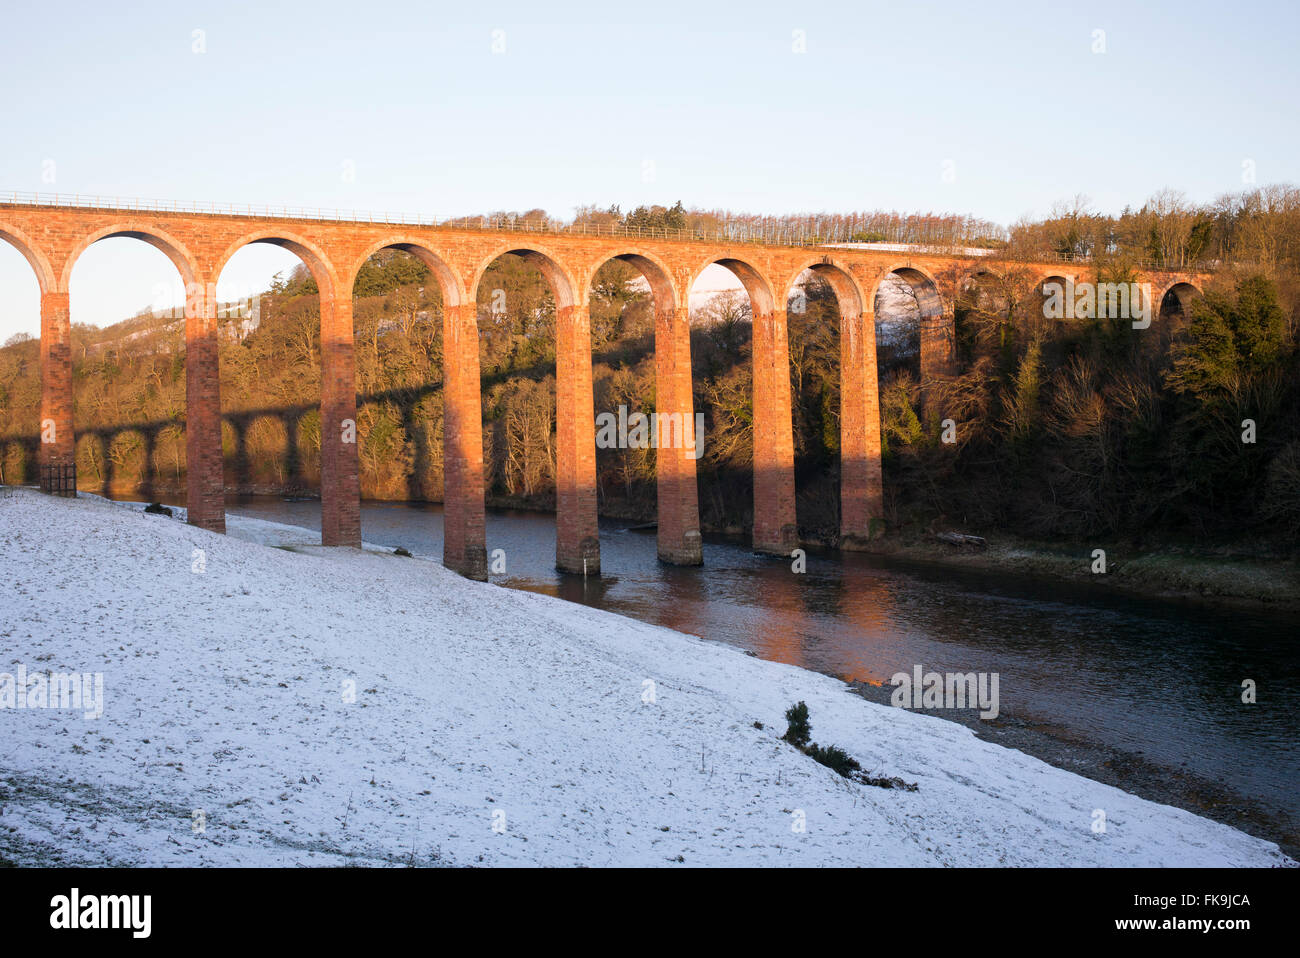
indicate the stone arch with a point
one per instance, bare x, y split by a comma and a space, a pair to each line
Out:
923, 284
847, 292
653, 269
987, 289
40, 263
983, 269
464, 523
561, 280
938, 335
1062, 285
1061, 278
971, 278
757, 285
317, 263
58, 465
1183, 292
453, 291
170, 247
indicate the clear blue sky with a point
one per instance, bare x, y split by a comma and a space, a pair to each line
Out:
630, 103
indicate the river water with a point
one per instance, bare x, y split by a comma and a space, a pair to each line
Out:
1144, 682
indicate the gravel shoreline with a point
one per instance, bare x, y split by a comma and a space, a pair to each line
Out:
1220, 577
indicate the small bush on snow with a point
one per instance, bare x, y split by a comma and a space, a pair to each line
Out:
798, 729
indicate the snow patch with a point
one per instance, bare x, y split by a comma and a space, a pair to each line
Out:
329, 706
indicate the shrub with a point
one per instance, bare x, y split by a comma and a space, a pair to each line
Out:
835, 758
799, 729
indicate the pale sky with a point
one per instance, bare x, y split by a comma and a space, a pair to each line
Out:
761, 107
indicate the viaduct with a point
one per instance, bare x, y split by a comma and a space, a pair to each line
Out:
51, 235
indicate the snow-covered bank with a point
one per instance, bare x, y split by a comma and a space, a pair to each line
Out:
489, 726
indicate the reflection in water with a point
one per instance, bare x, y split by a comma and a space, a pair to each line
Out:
1162, 679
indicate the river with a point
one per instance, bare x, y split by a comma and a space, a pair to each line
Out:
1142, 693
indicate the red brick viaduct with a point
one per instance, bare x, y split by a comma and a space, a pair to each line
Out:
52, 237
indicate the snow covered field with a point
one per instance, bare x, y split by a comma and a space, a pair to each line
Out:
489, 726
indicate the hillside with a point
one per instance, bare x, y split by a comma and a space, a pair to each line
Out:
437, 721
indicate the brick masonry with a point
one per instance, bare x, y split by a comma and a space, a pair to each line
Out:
775, 532
57, 456
680, 542
52, 238
204, 476
464, 539
577, 546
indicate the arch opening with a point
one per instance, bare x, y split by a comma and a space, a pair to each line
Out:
17, 461
300, 329
1176, 302
994, 311
897, 310
746, 471
172, 249
36, 262
25, 279
936, 341
268, 305
647, 438
126, 338
20, 360
517, 314
251, 251
820, 304
1053, 294
401, 293
538, 415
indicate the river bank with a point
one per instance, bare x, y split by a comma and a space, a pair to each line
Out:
1229, 575
1225, 575
487, 726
